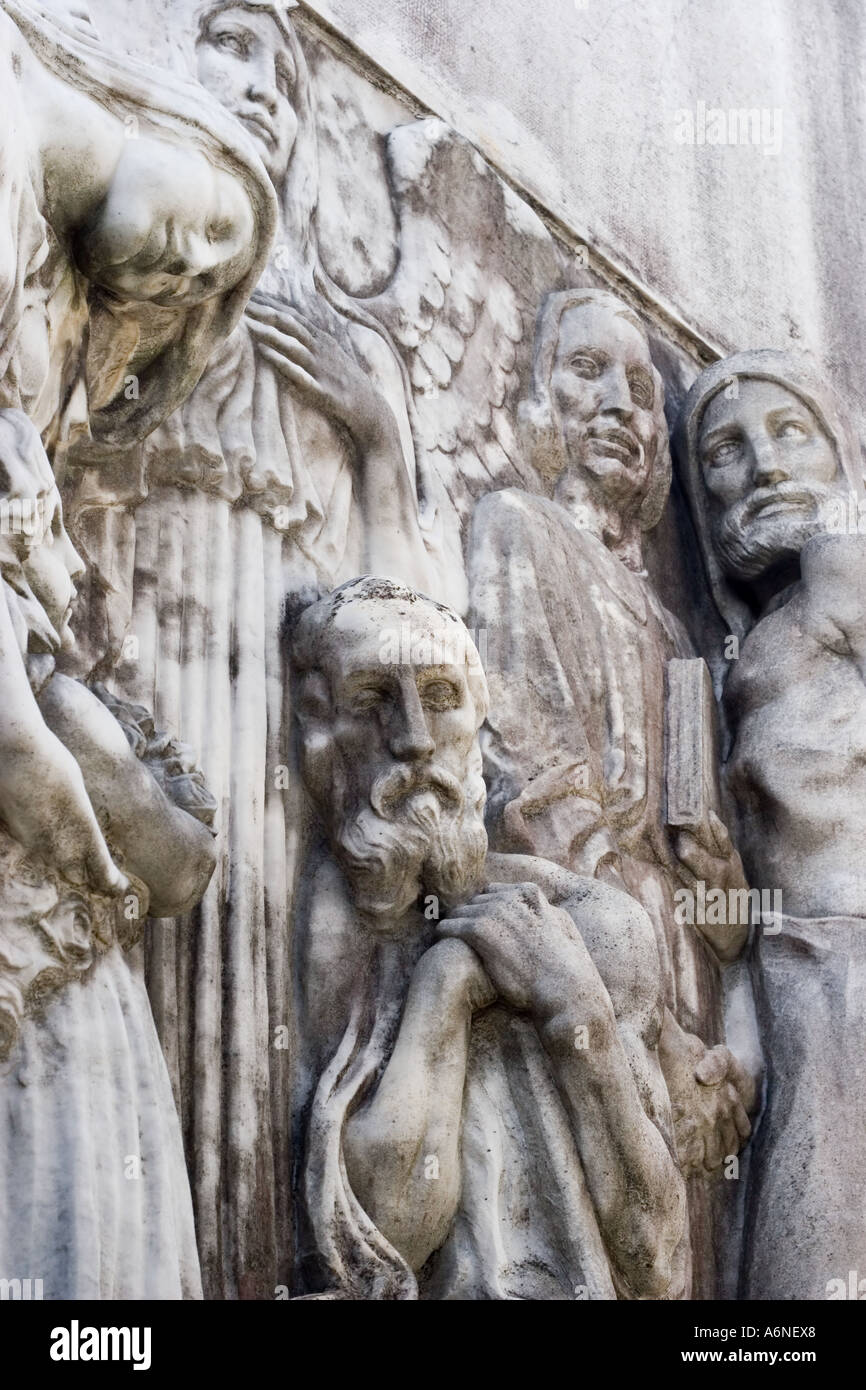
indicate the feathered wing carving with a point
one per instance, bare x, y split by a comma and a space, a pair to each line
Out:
474, 264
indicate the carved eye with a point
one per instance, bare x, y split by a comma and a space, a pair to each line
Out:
790, 429
642, 390
439, 695
231, 43
367, 697
81, 925
285, 80
582, 364
725, 452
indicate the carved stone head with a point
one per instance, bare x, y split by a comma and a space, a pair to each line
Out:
391, 698
248, 59
765, 448
594, 426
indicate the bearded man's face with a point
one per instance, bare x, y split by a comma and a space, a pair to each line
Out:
770, 470
391, 758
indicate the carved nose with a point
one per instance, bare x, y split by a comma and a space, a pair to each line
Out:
75, 564
768, 468
264, 92
410, 738
616, 394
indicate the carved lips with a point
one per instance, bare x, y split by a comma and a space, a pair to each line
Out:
258, 124
616, 443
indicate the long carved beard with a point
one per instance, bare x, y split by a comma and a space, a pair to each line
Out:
751, 543
421, 831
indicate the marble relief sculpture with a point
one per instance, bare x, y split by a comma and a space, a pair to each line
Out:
124, 260
95, 827
769, 457
578, 648
467, 1061
151, 244
289, 468
341, 944
302, 457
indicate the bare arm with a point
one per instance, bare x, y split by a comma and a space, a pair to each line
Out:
43, 800
413, 1119
171, 851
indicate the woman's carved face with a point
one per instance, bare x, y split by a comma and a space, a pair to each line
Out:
244, 61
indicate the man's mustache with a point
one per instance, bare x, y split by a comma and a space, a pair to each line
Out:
812, 494
405, 779
615, 438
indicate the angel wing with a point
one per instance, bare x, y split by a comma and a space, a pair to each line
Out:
473, 265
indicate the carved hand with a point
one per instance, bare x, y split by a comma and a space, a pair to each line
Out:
711, 1097
707, 854
46, 808
43, 800
532, 952
314, 362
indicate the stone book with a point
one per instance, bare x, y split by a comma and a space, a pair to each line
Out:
691, 744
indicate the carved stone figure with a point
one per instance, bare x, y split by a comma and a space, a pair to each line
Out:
425, 1017
94, 1195
768, 454
483, 1110
578, 646
131, 208
136, 217
290, 467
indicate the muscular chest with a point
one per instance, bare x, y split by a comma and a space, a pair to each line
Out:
799, 715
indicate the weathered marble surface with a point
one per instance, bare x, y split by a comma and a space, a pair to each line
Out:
440, 981
752, 239
94, 1195
775, 478
415, 927
131, 236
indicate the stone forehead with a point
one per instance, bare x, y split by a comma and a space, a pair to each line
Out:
619, 315
377, 610
762, 384
365, 617
277, 10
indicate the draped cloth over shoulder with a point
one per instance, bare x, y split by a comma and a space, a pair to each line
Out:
576, 766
